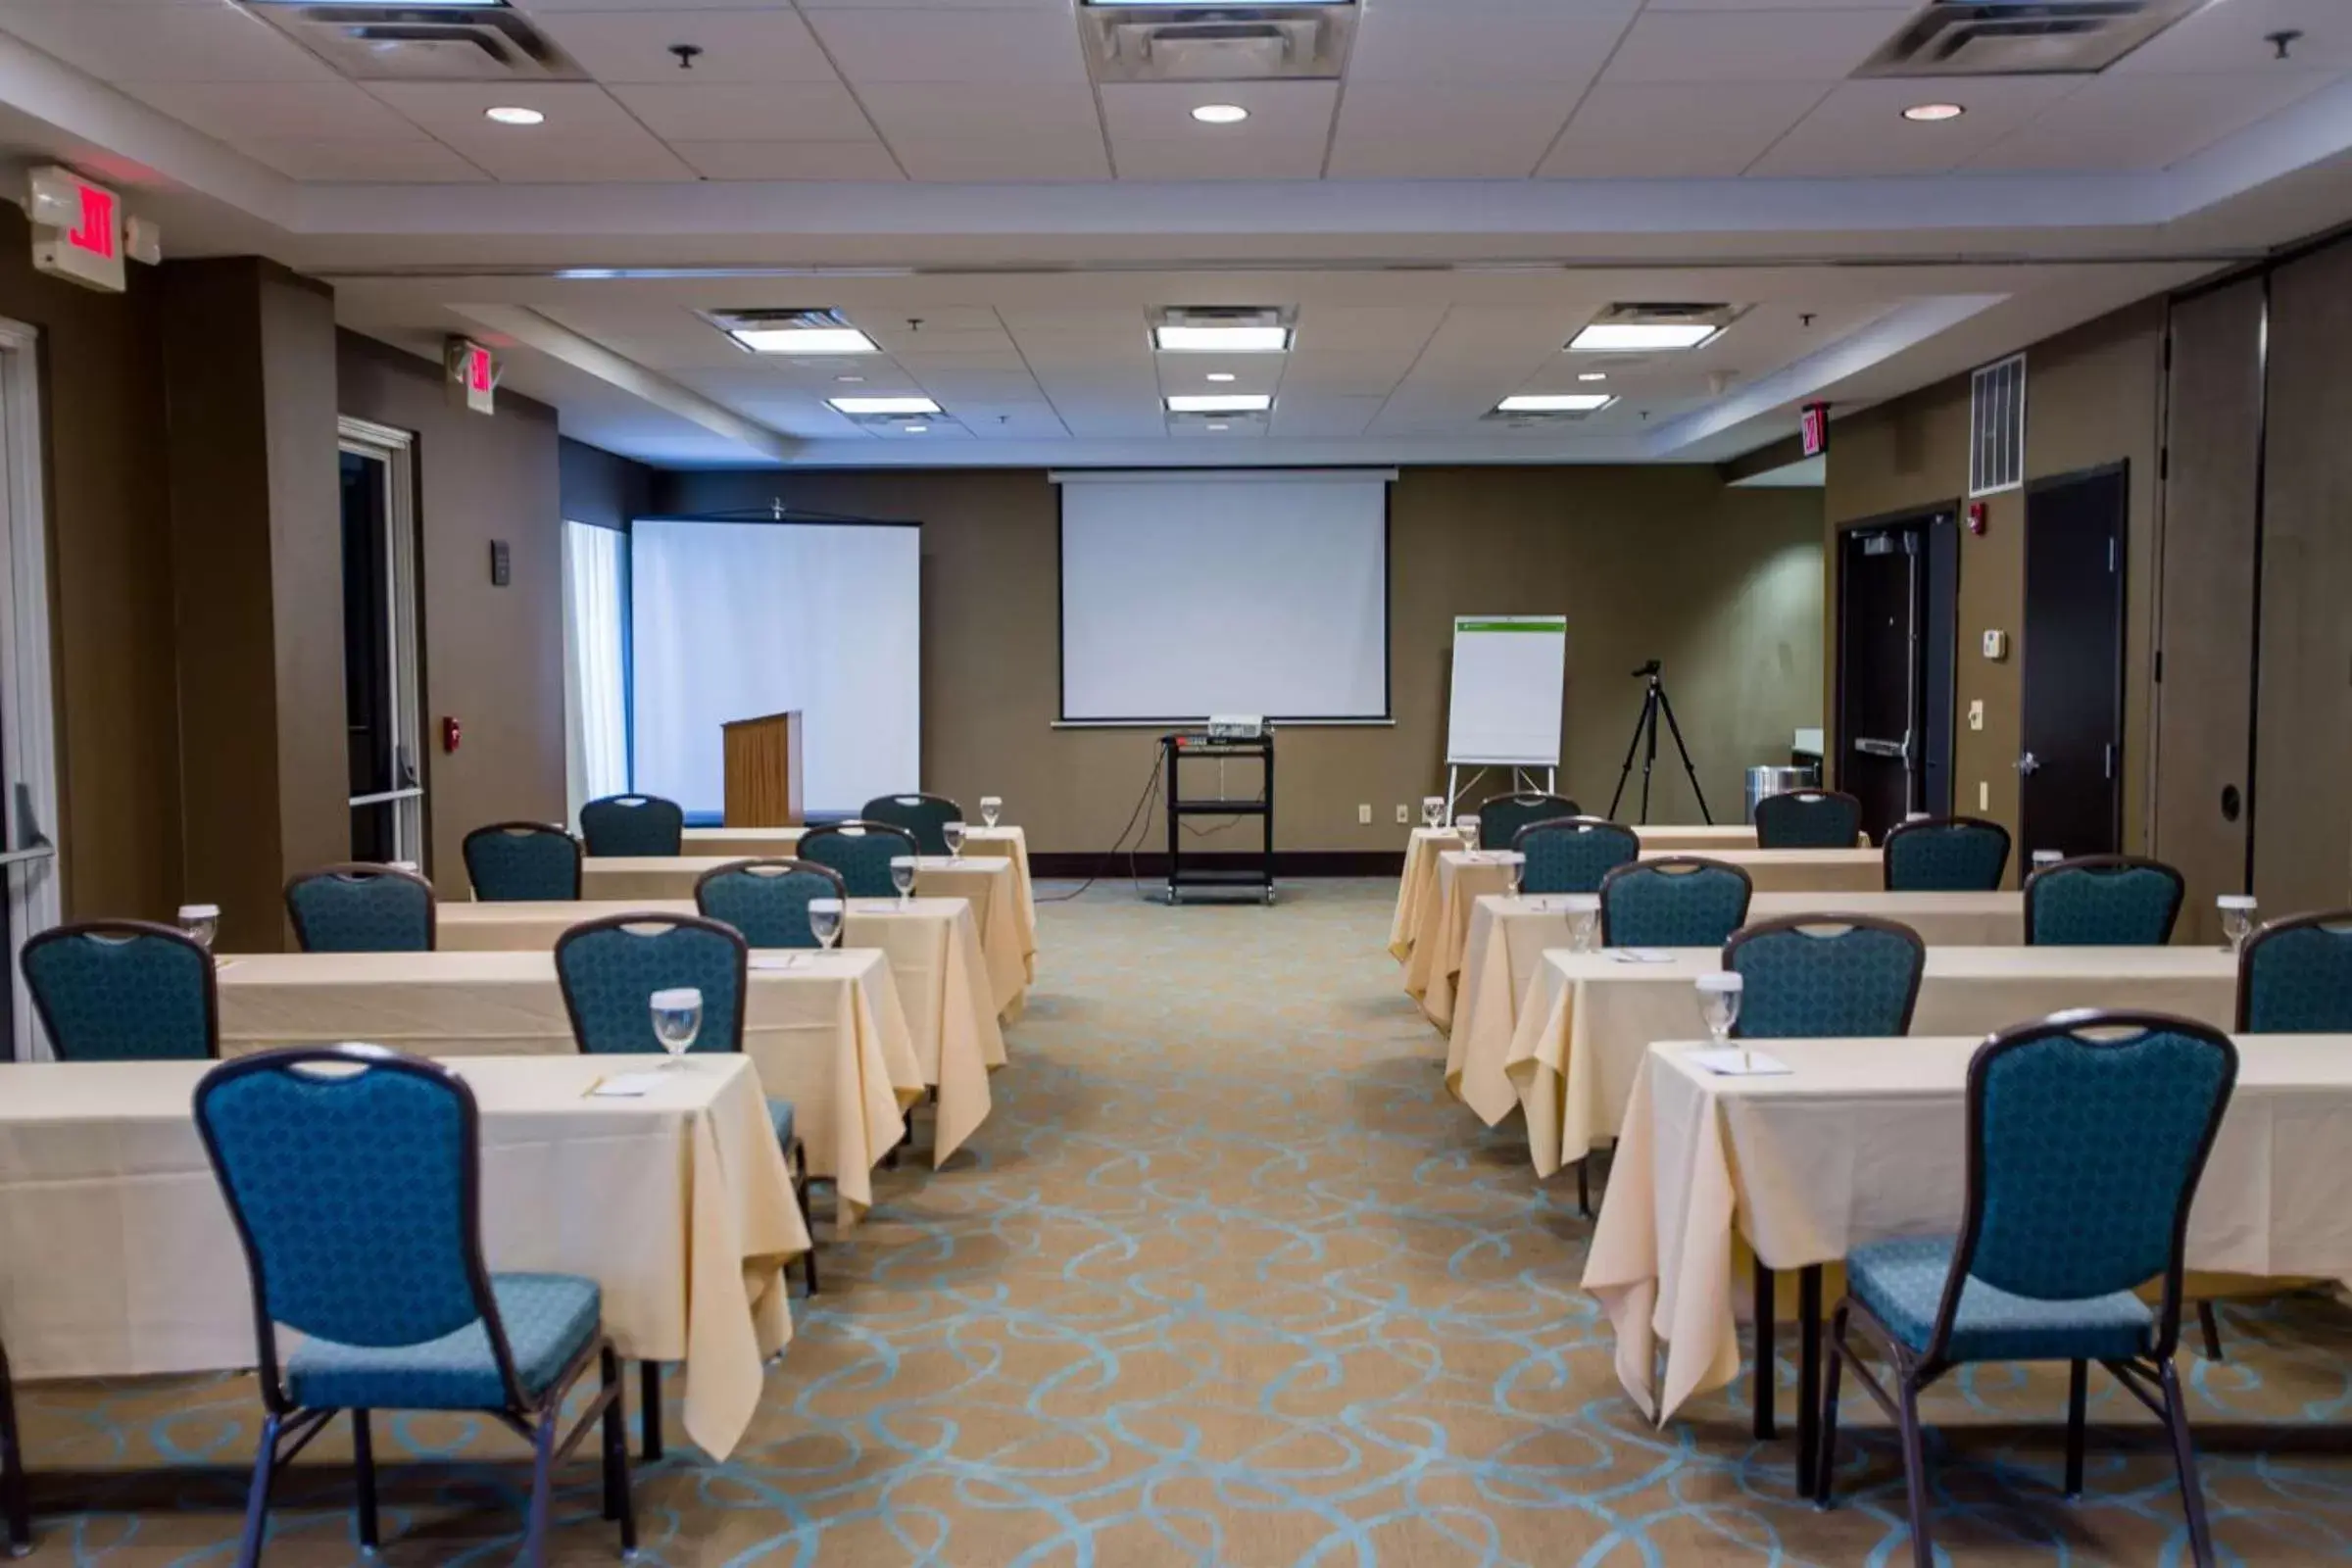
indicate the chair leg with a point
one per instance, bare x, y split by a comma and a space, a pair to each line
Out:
1826, 1456
11, 1468
649, 1414
1767, 1374
257, 1497
1808, 1375
2078, 1387
2185, 1457
543, 1465
799, 1192
1915, 1477
1583, 1187
362, 1464
2212, 1327
620, 1504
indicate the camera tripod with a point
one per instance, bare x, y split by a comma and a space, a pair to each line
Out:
1654, 702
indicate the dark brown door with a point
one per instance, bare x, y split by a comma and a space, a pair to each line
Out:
1878, 671
2070, 764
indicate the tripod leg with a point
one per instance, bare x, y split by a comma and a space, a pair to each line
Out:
1650, 755
1667, 707
1632, 746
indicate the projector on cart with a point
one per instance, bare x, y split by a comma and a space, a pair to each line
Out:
1236, 727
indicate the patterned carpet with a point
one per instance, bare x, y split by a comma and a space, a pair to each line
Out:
1229, 1280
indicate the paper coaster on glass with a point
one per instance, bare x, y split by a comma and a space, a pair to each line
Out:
1731, 1061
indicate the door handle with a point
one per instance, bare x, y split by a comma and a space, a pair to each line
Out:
2028, 762
1877, 747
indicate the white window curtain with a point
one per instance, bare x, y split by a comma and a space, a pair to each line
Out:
595, 681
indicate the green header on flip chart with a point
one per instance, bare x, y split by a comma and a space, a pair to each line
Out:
1559, 624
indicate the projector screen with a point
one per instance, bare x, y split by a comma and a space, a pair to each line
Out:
733, 621
1186, 593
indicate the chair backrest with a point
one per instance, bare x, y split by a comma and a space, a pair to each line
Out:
1808, 819
1501, 818
610, 968
862, 852
362, 909
1677, 901
2295, 976
767, 901
123, 991
924, 816
1825, 975
2102, 900
354, 1177
522, 862
633, 824
2087, 1135
1946, 854
1572, 854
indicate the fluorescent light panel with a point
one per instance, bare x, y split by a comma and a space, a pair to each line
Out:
1554, 403
1635, 337
1220, 402
1222, 339
890, 406
804, 340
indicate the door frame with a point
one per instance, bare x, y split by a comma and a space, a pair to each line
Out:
2120, 573
30, 859
396, 450
1835, 745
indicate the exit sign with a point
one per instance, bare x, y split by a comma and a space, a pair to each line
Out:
1813, 429
77, 229
472, 375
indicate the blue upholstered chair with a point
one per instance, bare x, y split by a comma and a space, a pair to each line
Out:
362, 909
1501, 818
1816, 976
354, 1175
123, 991
523, 862
926, 816
1572, 854
2102, 900
2295, 976
2087, 1135
610, 970
1677, 901
767, 901
1946, 854
633, 824
1808, 819
862, 852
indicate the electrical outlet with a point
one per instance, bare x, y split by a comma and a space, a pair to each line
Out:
1976, 714
1363, 816
1404, 815
1983, 796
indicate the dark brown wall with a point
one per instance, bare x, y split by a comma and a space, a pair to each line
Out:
1666, 562
493, 657
603, 488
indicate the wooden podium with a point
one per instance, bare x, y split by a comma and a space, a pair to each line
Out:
764, 771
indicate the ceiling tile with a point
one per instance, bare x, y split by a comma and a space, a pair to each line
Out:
2147, 122
2231, 37
808, 110
743, 46
1563, 50
789, 159
1658, 130
951, 45
169, 44
244, 110
378, 159
1001, 158
984, 110
1747, 44
1860, 127
587, 136
1403, 130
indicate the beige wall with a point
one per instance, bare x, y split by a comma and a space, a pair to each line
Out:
1724, 585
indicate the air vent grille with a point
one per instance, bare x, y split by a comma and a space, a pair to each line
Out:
1298, 42
422, 42
2022, 38
1997, 426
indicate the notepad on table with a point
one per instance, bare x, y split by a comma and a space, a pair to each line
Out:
625, 1086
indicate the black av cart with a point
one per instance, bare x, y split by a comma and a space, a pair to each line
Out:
1198, 748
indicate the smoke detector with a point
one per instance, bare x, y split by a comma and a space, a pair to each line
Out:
1129, 42
2022, 38
486, 41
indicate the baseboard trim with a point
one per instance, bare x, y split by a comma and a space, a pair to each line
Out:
1152, 864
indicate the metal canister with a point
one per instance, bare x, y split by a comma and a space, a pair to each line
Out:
1763, 781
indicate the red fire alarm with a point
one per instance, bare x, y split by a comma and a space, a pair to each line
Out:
1976, 517
451, 734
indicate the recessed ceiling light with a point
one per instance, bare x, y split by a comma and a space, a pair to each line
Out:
1220, 424
1634, 337
1222, 339
514, 115
1555, 403
1220, 375
849, 380
804, 340
1592, 375
1935, 112
1220, 402
1220, 114
914, 430
892, 405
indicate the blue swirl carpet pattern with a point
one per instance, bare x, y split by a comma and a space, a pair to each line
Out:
1230, 1280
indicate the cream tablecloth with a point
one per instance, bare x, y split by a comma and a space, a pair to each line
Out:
828, 1035
1866, 1140
934, 950
1007, 931
121, 1259
1463, 878
1588, 1020
1509, 938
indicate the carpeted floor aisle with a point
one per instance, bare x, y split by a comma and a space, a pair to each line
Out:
1229, 1280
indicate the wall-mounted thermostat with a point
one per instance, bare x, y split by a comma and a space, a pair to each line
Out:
1996, 645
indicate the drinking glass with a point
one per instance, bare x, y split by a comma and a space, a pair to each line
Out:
1719, 1007
1432, 809
1583, 925
954, 833
1467, 827
200, 921
2238, 919
677, 1019
991, 808
824, 922
1514, 869
901, 877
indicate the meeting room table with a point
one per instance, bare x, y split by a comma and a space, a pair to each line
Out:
827, 1034
1007, 926
1464, 876
1864, 1140
1509, 936
123, 1260
933, 946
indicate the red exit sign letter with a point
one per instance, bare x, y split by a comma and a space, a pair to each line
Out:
77, 229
